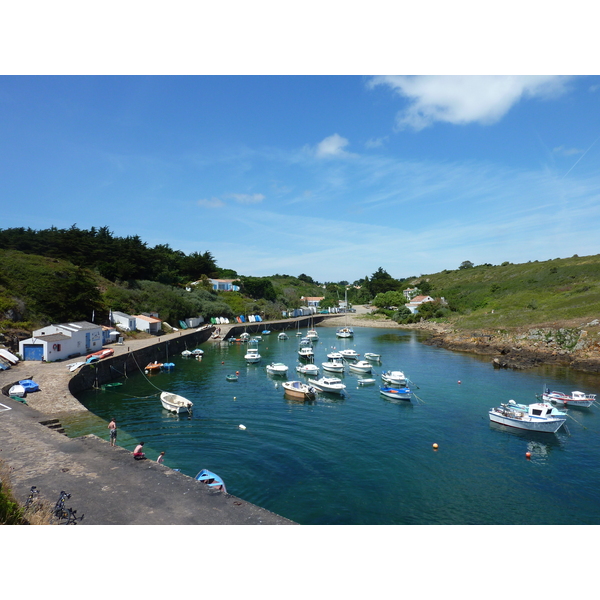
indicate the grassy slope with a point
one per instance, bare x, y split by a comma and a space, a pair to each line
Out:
558, 291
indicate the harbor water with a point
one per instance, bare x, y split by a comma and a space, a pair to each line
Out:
362, 458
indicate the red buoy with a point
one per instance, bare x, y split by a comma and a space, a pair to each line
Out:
528, 455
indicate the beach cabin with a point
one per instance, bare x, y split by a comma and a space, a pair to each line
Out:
123, 321
148, 324
61, 342
224, 285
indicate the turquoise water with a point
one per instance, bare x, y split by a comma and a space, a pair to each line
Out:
363, 459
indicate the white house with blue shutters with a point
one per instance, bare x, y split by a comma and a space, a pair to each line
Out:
61, 342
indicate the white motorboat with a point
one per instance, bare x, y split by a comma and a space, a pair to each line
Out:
396, 378
186, 353
575, 399
244, 336
17, 390
198, 352
308, 369
366, 381
305, 341
345, 332
277, 369
335, 366
361, 366
328, 384
306, 352
283, 336
334, 356
350, 354
540, 416
252, 356
175, 403
372, 356
396, 393
297, 389
311, 334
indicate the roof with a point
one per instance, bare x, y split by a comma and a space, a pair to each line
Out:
417, 299
313, 298
78, 325
149, 319
53, 338
118, 313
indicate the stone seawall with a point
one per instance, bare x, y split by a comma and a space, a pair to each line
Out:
132, 360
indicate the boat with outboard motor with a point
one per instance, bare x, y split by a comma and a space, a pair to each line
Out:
396, 378
276, 369
299, 390
361, 366
175, 403
334, 366
396, 392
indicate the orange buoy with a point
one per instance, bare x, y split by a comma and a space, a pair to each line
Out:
528, 455
459, 382
435, 446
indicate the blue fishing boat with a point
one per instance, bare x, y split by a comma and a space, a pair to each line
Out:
212, 480
397, 393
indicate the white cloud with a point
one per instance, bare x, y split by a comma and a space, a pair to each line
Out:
247, 198
332, 146
376, 142
465, 99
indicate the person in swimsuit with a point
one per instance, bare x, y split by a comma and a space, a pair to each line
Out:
137, 453
160, 458
112, 427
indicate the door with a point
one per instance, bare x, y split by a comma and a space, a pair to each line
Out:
33, 352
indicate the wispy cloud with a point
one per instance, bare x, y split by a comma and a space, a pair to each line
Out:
247, 198
210, 203
464, 99
562, 151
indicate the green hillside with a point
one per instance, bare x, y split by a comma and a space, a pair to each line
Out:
516, 295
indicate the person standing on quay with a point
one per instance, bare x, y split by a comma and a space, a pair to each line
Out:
160, 458
112, 427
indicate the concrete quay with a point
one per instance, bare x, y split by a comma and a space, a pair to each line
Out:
106, 484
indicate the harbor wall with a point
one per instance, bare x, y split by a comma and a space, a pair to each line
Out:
132, 360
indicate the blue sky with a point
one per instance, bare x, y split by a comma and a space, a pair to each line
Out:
332, 176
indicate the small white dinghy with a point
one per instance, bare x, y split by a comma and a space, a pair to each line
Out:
17, 390
175, 403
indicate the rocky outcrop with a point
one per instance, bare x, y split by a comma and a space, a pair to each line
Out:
577, 347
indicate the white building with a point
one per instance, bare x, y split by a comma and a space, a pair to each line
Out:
148, 324
414, 304
60, 342
123, 321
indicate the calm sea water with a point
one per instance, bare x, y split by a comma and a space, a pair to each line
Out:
363, 459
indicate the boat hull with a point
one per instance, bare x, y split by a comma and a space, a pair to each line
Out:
299, 390
551, 425
566, 400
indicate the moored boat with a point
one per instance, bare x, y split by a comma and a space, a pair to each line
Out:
366, 381
334, 366
334, 356
252, 356
372, 356
308, 369
153, 367
212, 480
396, 378
350, 354
575, 399
540, 416
175, 403
297, 389
345, 332
282, 336
328, 384
306, 352
232, 377
277, 369
361, 366
397, 393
